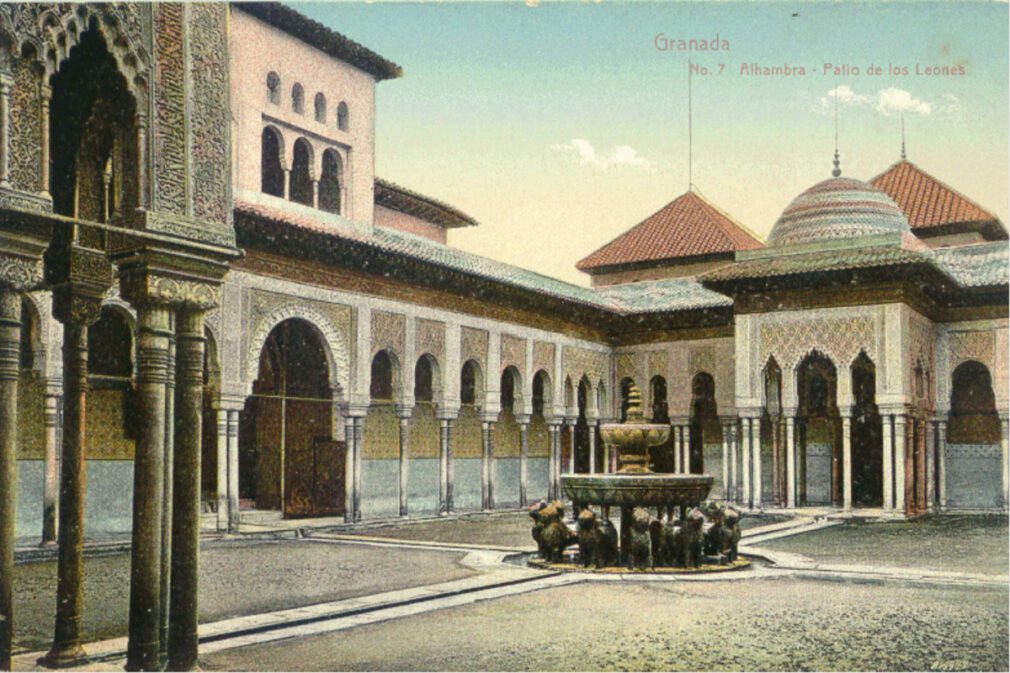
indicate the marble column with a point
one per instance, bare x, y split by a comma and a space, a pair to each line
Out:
592, 446
45, 98
847, 461
359, 449
1004, 462
234, 513
524, 460
443, 467
10, 343
571, 447
50, 494
726, 492
791, 461
746, 461
222, 470
6, 84
486, 466
167, 498
77, 300
900, 448
758, 488
143, 651
349, 469
888, 460
552, 447
931, 465
450, 485
734, 468
941, 463
404, 462
675, 430
921, 473
190, 347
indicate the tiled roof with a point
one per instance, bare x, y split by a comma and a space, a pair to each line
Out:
322, 38
688, 226
929, 203
983, 265
645, 297
837, 208
818, 261
395, 197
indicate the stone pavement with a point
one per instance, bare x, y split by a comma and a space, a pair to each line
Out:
495, 577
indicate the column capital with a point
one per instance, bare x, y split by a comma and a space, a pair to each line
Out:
404, 411
20, 270
79, 278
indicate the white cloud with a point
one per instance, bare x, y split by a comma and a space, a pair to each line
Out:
895, 101
890, 101
618, 156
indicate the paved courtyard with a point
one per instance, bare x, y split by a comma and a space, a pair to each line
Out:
375, 600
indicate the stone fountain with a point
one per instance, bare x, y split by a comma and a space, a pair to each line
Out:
634, 485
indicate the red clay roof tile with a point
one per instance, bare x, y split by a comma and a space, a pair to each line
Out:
688, 226
929, 203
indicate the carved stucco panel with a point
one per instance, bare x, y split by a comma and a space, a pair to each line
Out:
543, 357
513, 354
839, 338
474, 346
431, 339
389, 333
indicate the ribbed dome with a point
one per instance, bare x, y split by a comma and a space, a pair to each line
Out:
838, 208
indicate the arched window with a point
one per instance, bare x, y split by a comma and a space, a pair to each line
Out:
271, 172
342, 116
274, 88
329, 182
424, 379
298, 98
300, 189
541, 392
110, 345
320, 108
469, 383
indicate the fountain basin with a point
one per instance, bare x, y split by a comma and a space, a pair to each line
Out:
637, 490
632, 441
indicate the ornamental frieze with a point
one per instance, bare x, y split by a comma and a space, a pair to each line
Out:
626, 367
840, 338
513, 353
20, 273
579, 362
979, 346
658, 364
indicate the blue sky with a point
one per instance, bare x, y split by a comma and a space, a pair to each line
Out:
561, 125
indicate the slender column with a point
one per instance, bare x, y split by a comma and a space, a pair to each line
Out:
592, 447
222, 470
167, 497
676, 448
142, 195
775, 448
148, 474
404, 462
888, 459
524, 459
791, 461
487, 429
725, 462
50, 497
5, 130
349, 469
287, 184
930, 465
755, 433
900, 448
746, 460
315, 193
443, 468
359, 445
66, 649
551, 462
234, 514
1005, 462
190, 345
847, 461
10, 340
45, 98
921, 473
941, 438
450, 469
571, 447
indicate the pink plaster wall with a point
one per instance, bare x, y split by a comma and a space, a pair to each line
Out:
257, 49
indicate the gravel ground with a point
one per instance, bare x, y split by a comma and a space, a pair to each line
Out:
772, 624
971, 544
507, 530
237, 578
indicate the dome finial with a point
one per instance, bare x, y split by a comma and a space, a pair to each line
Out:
837, 170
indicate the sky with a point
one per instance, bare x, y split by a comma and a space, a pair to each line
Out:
558, 126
